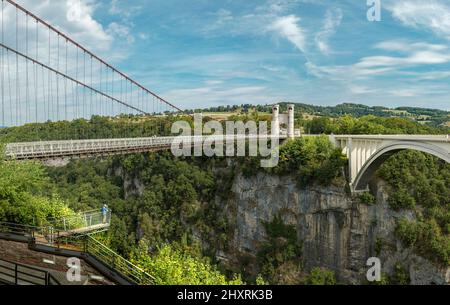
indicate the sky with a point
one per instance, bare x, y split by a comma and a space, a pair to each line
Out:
207, 53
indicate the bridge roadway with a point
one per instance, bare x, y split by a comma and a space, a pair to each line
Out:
46, 150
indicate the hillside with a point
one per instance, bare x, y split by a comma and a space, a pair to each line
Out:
433, 117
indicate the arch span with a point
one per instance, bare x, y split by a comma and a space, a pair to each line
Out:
384, 152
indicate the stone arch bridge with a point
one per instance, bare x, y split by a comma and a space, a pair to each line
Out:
367, 152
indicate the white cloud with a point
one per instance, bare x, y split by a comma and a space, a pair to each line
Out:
333, 19
357, 89
431, 15
124, 9
412, 55
114, 9
74, 18
213, 95
288, 28
406, 47
121, 31
433, 75
405, 92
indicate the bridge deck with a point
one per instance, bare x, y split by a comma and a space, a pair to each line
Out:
80, 148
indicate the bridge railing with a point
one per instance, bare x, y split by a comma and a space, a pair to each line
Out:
54, 149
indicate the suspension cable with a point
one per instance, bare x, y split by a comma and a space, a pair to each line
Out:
77, 82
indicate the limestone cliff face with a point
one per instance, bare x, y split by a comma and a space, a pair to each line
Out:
337, 232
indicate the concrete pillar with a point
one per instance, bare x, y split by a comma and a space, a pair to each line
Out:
275, 120
290, 125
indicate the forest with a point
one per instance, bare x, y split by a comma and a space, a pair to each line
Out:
159, 226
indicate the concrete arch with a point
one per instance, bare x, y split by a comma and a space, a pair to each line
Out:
384, 152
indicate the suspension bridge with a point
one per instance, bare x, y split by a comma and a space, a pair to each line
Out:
48, 76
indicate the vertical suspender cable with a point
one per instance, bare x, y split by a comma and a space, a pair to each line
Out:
76, 87
106, 90
3, 68
84, 81
65, 87
121, 93
91, 101
57, 81
92, 86
9, 87
101, 69
48, 84
112, 93
27, 103
68, 136
36, 73
98, 97
17, 68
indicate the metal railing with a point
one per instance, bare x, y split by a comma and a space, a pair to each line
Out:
75, 148
19, 274
113, 260
83, 222
17, 229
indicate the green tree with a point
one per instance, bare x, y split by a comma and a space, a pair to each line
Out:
321, 276
170, 266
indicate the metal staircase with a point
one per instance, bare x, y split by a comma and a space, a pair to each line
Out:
71, 236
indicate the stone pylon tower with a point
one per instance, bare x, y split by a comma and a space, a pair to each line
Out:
276, 120
290, 124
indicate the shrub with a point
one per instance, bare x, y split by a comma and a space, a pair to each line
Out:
321, 276
172, 266
367, 198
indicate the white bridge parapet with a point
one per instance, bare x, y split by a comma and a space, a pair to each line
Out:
367, 152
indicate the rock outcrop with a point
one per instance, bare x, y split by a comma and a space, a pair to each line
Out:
337, 232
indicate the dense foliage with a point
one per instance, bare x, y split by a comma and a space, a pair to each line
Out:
432, 117
155, 198
311, 160
421, 183
22, 195
171, 266
321, 276
27, 196
282, 247
369, 125
96, 128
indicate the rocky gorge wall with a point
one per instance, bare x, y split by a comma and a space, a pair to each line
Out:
338, 232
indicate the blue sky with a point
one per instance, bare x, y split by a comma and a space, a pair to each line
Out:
203, 53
